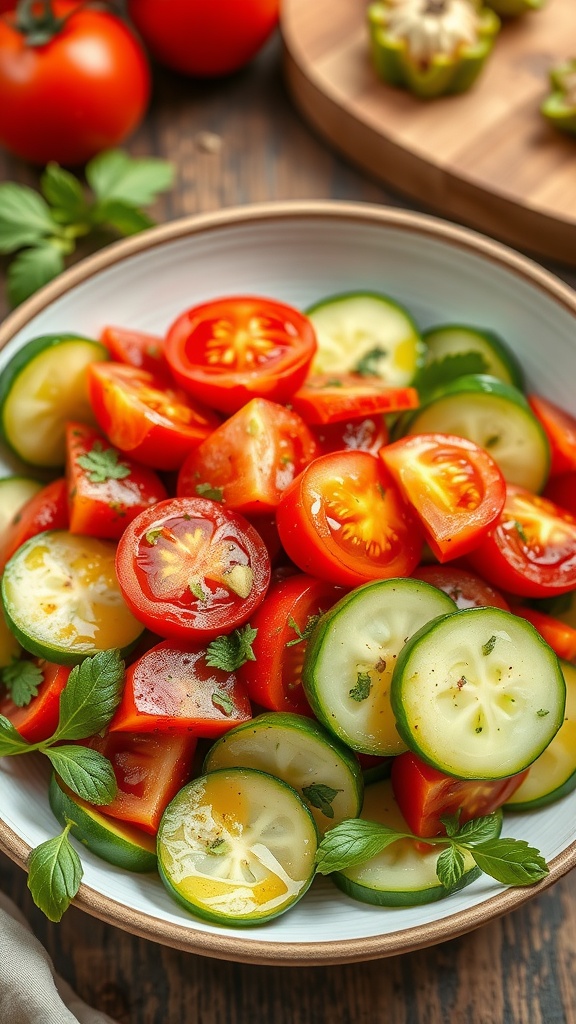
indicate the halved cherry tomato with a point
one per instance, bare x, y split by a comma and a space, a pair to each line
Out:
150, 768
559, 635
531, 549
251, 459
155, 424
453, 485
343, 519
266, 527
46, 510
37, 721
465, 588
425, 795
328, 399
189, 569
560, 429
135, 348
561, 490
172, 689
282, 620
365, 435
230, 350
106, 489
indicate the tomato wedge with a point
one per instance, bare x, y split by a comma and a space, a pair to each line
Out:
560, 429
465, 588
136, 348
46, 510
329, 399
561, 490
559, 635
453, 485
232, 349
155, 424
189, 569
531, 549
366, 435
37, 720
343, 519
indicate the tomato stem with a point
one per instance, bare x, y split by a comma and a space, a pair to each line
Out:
37, 21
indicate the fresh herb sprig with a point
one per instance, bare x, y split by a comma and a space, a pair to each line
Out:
54, 874
22, 679
43, 229
510, 861
230, 651
440, 372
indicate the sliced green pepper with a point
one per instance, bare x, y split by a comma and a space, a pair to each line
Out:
560, 106
514, 8
431, 47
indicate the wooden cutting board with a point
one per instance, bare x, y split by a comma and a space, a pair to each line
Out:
486, 158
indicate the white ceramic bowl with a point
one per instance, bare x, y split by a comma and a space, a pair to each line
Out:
299, 252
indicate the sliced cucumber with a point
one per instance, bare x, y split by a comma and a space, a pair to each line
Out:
553, 774
403, 875
350, 658
62, 600
237, 846
459, 339
478, 694
41, 387
115, 841
15, 491
495, 416
366, 332
324, 772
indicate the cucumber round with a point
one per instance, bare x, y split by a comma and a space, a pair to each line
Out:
237, 847
478, 694
460, 339
368, 333
42, 387
62, 600
15, 492
495, 416
351, 654
324, 772
117, 842
553, 774
403, 875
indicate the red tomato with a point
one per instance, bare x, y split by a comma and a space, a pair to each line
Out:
560, 429
365, 435
266, 527
560, 636
189, 569
136, 348
172, 689
46, 510
230, 350
150, 768
274, 678
327, 399
454, 486
157, 425
343, 520
424, 795
106, 490
251, 459
562, 491
38, 720
465, 589
84, 90
531, 549
204, 38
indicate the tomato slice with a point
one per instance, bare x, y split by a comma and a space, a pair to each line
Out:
329, 399
172, 689
425, 795
106, 489
465, 588
282, 620
135, 348
344, 520
454, 486
366, 435
37, 721
559, 635
155, 424
561, 490
232, 349
150, 768
560, 429
189, 569
531, 549
251, 459
46, 510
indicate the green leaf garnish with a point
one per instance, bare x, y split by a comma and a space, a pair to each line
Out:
362, 689
86, 772
115, 175
440, 372
54, 875
488, 647
207, 491
103, 464
22, 679
230, 651
368, 365
352, 842
320, 796
223, 701
450, 867
25, 218
510, 861
304, 634
90, 697
11, 742
31, 269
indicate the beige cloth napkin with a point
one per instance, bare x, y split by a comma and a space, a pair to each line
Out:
30, 990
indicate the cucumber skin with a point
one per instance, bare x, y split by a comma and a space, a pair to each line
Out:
503, 352
397, 898
547, 798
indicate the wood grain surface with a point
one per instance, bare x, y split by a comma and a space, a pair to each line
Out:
486, 157
238, 141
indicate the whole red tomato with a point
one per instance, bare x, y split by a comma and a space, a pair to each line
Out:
204, 37
83, 90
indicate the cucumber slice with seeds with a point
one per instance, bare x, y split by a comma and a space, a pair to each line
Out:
458, 339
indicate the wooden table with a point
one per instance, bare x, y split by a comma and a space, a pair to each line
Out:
239, 141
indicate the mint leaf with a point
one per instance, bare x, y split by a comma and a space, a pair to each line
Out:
353, 842
451, 823
479, 830
440, 372
90, 697
450, 867
369, 364
118, 214
229, 652
320, 796
223, 701
25, 217
86, 772
362, 689
304, 634
65, 194
207, 491
115, 175
22, 679
510, 861
103, 464
488, 647
11, 742
54, 875
31, 269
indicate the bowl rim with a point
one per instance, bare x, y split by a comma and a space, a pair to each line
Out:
188, 937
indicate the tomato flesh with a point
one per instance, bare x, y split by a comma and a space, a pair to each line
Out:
37, 721
46, 510
368, 434
560, 429
135, 348
465, 588
559, 635
325, 399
